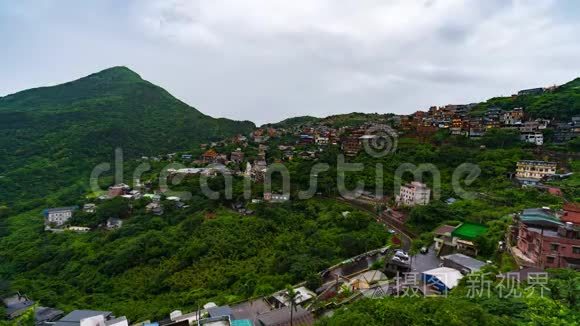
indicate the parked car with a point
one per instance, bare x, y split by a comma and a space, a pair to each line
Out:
400, 260
401, 254
391, 231
424, 250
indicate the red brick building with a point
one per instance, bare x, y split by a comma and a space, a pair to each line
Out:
549, 240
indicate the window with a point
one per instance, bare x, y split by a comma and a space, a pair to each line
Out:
576, 250
550, 260
554, 247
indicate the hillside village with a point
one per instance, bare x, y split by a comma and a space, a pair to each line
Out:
538, 238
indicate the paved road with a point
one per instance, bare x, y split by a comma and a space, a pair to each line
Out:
424, 262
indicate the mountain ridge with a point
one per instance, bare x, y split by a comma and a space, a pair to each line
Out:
77, 124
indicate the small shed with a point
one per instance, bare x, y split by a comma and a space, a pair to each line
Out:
443, 278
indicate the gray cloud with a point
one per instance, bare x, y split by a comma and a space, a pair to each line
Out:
265, 60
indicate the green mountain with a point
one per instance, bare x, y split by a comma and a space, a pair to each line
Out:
294, 122
561, 103
338, 120
51, 137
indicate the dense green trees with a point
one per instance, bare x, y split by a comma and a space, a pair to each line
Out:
154, 265
501, 138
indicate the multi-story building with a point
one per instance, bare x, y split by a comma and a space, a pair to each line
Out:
546, 239
414, 193
513, 117
492, 117
531, 172
491, 123
536, 138
58, 216
351, 146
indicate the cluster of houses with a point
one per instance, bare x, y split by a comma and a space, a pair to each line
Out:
16, 305
457, 119
262, 135
273, 310
319, 135
57, 219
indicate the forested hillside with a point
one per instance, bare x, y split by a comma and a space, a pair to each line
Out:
51, 137
154, 265
561, 103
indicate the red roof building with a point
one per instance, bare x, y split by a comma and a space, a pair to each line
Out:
209, 156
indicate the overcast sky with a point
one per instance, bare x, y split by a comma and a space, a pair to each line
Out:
266, 60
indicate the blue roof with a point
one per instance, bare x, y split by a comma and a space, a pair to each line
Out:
242, 322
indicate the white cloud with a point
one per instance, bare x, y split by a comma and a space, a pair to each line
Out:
268, 59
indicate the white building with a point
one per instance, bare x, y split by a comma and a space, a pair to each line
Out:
58, 216
414, 193
536, 138
321, 140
